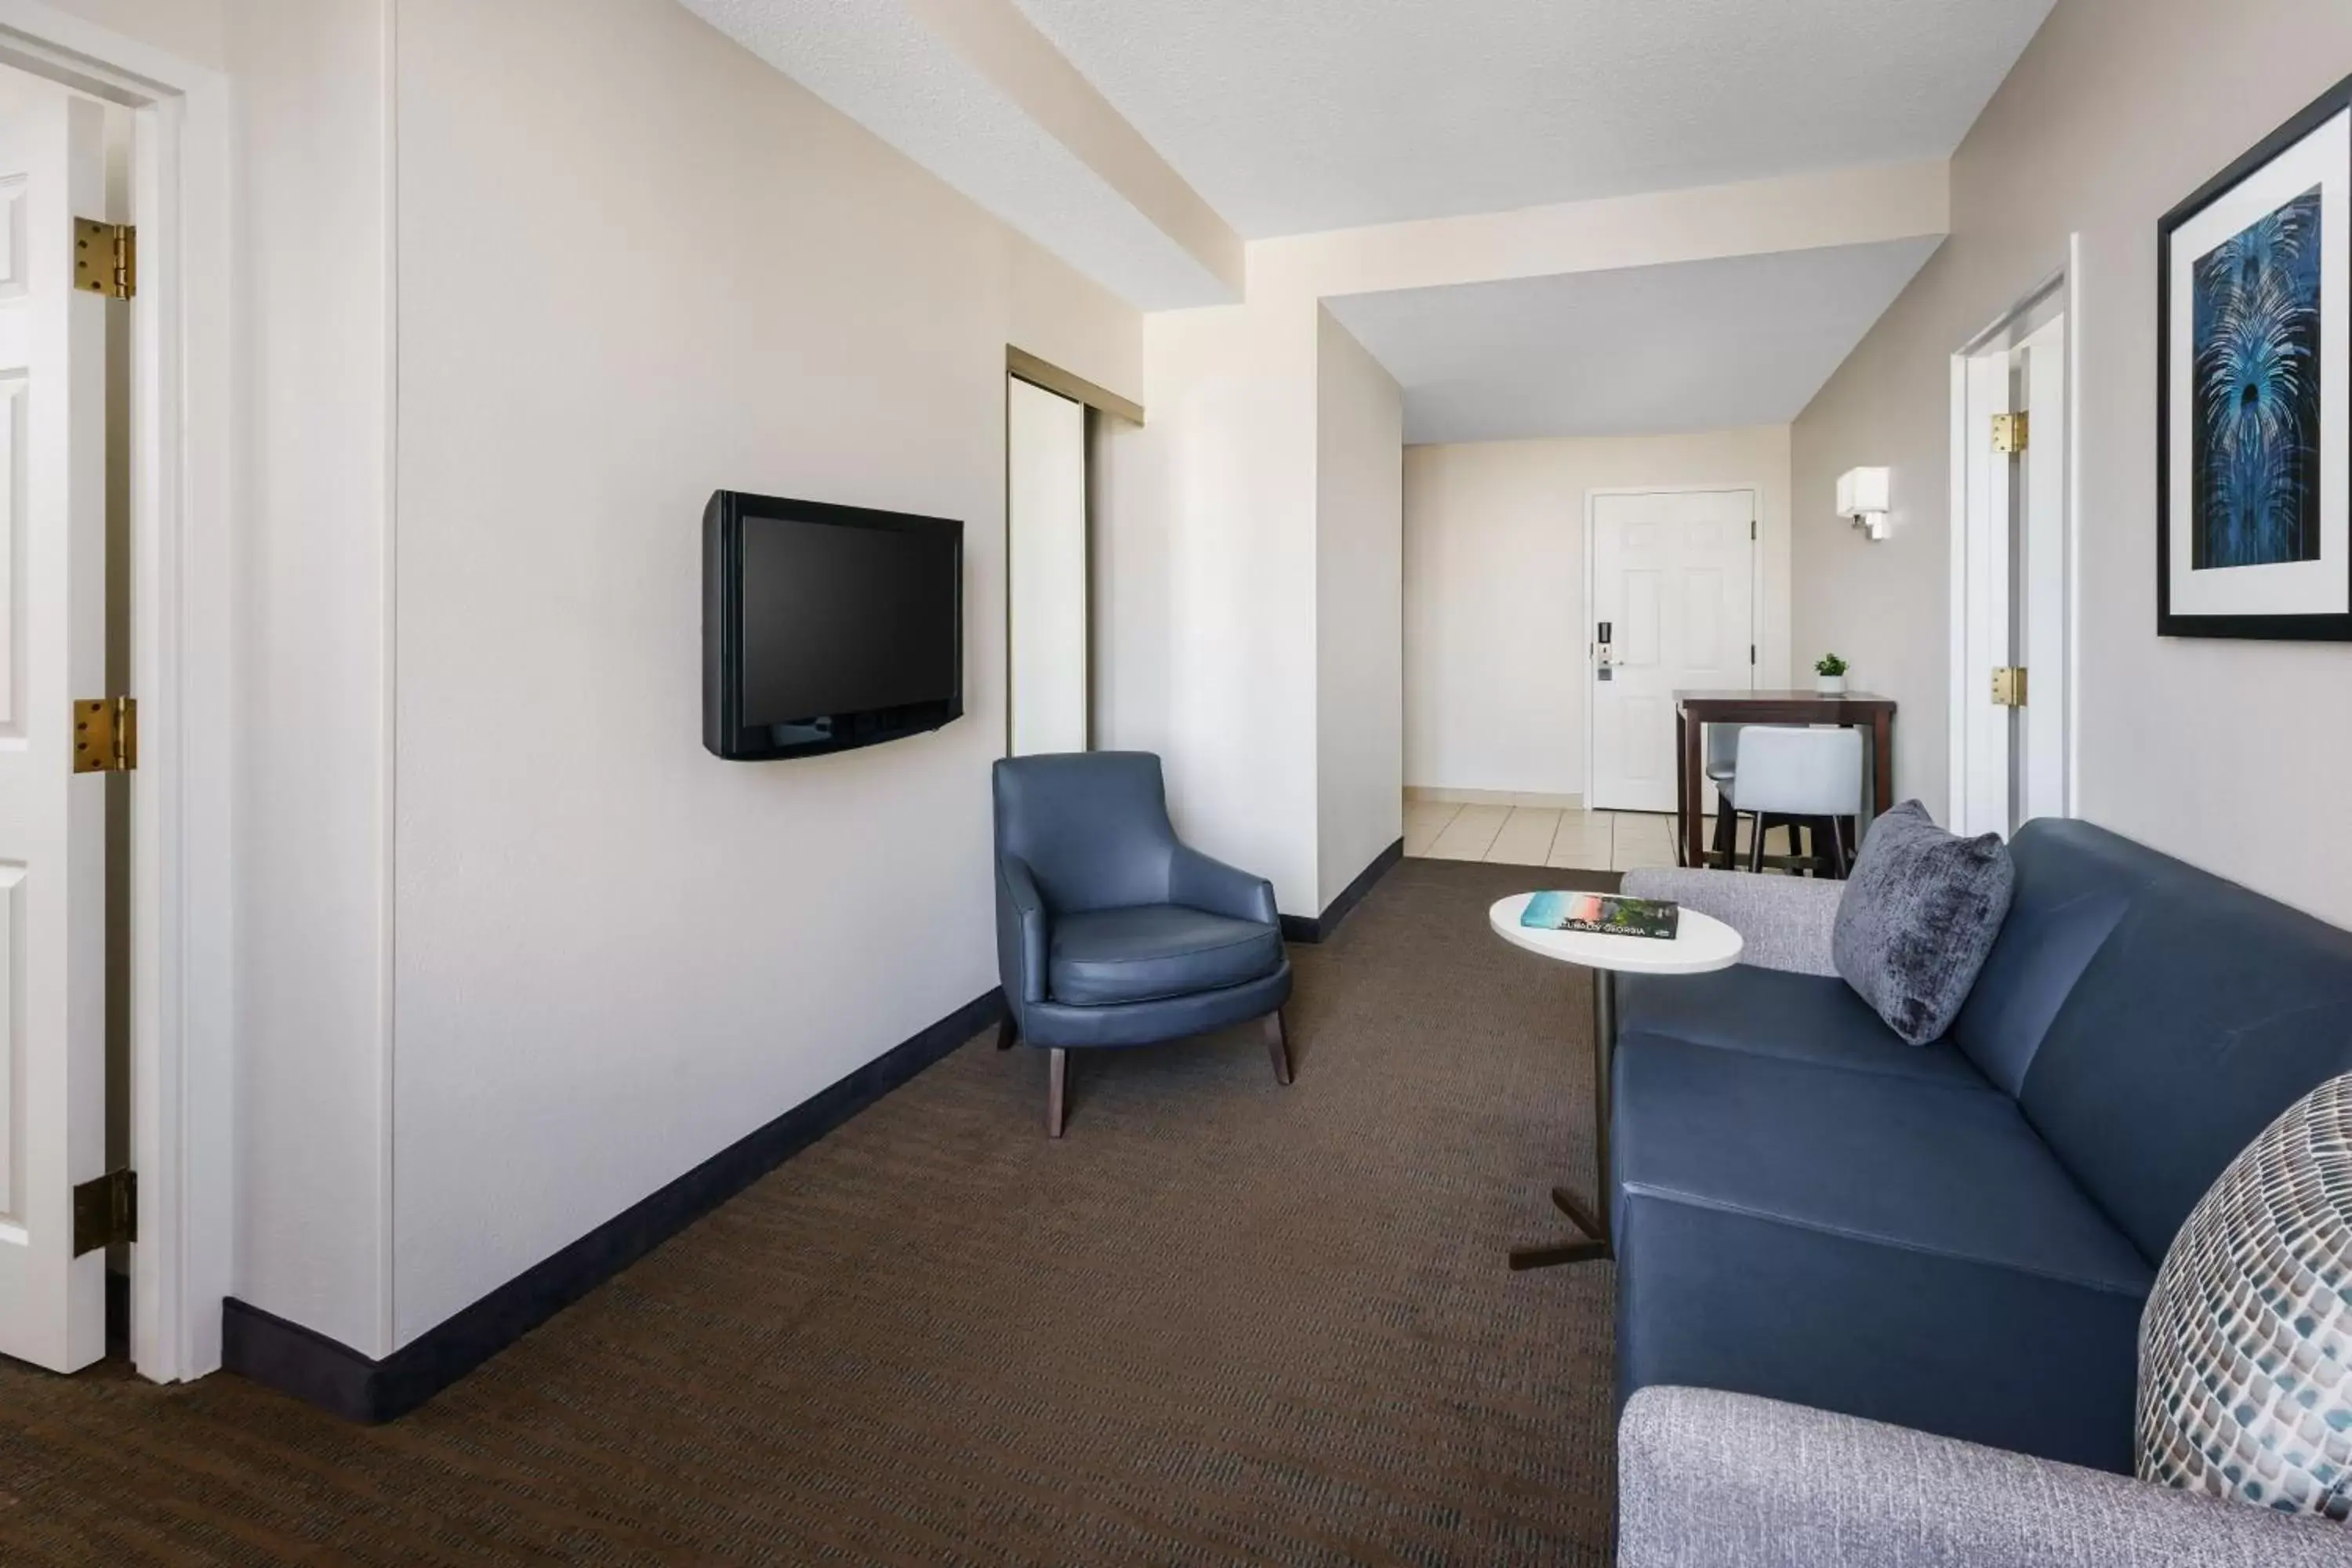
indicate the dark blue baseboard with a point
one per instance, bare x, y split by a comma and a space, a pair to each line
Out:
337, 1378
1321, 928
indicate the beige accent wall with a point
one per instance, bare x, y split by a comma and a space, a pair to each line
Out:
617, 953
2223, 753
1359, 609
1496, 668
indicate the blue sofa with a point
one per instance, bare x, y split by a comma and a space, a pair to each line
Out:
1955, 1237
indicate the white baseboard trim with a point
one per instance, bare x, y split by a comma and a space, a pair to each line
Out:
1420, 792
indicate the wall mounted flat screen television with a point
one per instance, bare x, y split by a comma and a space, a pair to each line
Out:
826, 627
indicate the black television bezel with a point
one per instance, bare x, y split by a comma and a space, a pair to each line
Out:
724, 734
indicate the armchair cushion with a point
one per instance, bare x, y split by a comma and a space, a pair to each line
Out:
1101, 957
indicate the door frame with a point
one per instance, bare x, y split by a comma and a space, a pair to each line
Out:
1100, 403
181, 639
1756, 492
2059, 289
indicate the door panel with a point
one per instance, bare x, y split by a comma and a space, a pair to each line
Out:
2011, 764
1045, 533
1983, 805
1673, 580
2043, 723
52, 820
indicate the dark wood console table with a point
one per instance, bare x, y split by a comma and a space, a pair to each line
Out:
1695, 710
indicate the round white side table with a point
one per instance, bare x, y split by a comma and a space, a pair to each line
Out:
1701, 944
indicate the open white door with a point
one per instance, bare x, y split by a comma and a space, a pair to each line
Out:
52, 651
1673, 610
1982, 803
2012, 602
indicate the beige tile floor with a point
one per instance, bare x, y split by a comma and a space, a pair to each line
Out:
1533, 835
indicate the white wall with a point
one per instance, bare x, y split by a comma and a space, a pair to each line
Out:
308, 479
617, 953
1207, 556
2216, 752
1206, 572
312, 761
197, 31
1358, 609
1494, 637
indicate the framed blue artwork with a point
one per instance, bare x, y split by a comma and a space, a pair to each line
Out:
2254, 374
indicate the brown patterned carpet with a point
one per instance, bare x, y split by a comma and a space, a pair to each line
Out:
1221, 1322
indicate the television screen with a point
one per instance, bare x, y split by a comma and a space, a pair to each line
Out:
843, 618
827, 627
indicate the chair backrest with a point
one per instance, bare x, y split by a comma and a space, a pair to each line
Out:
1092, 826
1722, 747
1799, 773
2152, 1018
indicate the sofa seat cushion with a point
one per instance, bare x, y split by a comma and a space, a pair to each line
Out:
1888, 1246
1775, 1013
1154, 950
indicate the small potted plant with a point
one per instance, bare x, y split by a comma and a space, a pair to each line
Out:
1829, 675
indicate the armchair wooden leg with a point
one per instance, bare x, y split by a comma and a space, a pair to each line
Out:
1007, 1032
1726, 834
1277, 1044
1058, 1087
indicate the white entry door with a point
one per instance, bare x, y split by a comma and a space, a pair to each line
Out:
1673, 610
52, 650
1045, 562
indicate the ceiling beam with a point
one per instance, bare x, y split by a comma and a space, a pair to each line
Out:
973, 93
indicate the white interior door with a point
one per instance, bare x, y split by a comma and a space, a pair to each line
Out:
1045, 548
1982, 802
1673, 602
52, 650
2013, 759
2039, 606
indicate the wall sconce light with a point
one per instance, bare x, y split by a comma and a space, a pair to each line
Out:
1862, 496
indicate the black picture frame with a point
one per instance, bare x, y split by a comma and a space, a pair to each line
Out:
2299, 627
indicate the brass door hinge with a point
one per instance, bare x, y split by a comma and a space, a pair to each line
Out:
105, 735
106, 258
2008, 688
2012, 433
106, 1211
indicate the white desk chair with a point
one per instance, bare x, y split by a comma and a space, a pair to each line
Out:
1722, 763
1799, 774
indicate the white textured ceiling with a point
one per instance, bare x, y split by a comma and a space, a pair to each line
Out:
877, 63
1699, 345
1292, 116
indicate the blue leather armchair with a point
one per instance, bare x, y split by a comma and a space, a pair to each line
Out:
1110, 932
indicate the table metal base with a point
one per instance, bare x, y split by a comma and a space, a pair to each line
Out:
1594, 1245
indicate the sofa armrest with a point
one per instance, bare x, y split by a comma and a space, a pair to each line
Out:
1708, 1479
1023, 941
1200, 882
1785, 921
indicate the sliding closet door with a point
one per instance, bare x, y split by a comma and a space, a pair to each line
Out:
1046, 545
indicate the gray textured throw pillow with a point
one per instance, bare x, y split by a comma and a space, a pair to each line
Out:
1917, 918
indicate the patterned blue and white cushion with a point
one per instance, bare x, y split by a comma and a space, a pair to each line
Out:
2245, 1381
